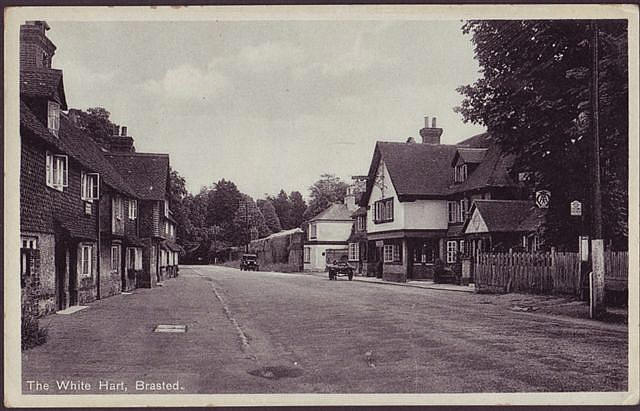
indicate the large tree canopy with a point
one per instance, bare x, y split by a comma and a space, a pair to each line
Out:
270, 215
327, 190
534, 99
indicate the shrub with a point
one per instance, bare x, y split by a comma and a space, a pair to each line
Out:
31, 333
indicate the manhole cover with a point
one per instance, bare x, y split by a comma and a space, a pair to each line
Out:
277, 372
170, 328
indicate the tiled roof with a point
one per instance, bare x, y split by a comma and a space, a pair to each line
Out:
284, 233
81, 147
469, 155
43, 82
418, 169
77, 145
336, 211
493, 171
359, 211
84, 229
29, 121
146, 173
509, 215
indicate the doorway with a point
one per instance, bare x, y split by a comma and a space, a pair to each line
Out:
60, 262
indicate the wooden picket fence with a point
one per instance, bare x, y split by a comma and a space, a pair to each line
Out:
542, 273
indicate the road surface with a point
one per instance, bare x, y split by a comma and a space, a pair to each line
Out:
257, 332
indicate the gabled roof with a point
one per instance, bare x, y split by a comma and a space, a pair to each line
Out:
493, 171
508, 215
469, 155
416, 170
82, 148
360, 211
76, 144
146, 173
335, 212
43, 82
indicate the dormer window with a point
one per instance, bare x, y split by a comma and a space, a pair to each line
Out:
460, 173
53, 117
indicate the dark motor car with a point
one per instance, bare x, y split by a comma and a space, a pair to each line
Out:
341, 268
249, 262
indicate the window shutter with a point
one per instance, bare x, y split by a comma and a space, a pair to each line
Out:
49, 167
65, 171
93, 186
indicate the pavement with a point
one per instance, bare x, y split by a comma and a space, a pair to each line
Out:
258, 332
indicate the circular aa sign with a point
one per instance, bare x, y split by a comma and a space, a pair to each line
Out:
543, 197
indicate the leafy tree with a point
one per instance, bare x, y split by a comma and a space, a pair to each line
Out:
223, 201
248, 221
270, 216
96, 121
327, 190
534, 99
298, 207
283, 209
178, 204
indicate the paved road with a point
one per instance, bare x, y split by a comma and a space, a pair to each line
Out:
245, 330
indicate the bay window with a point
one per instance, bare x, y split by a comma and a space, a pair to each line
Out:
452, 251
354, 254
383, 210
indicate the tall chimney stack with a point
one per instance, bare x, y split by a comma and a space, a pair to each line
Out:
430, 135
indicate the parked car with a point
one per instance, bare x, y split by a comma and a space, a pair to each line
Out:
249, 262
341, 268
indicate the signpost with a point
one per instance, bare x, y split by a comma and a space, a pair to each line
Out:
543, 197
576, 208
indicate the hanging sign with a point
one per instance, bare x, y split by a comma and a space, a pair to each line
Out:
576, 208
543, 197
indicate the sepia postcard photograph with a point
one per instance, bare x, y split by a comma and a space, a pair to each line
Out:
321, 205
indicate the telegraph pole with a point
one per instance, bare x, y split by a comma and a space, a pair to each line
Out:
596, 280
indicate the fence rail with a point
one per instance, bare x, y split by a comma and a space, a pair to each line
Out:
547, 273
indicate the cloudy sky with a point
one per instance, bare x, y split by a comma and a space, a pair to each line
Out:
268, 104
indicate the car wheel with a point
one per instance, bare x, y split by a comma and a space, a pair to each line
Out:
350, 275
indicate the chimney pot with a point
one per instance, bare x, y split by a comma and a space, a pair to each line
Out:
433, 123
116, 130
124, 131
426, 121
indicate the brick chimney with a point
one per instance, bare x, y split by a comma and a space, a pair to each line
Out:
121, 143
430, 135
36, 50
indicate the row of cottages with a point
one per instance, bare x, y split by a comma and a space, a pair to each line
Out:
94, 218
428, 201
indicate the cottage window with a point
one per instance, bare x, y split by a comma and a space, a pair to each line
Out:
388, 253
383, 210
454, 212
307, 255
53, 117
361, 223
313, 231
134, 258
89, 186
354, 251
461, 248
57, 171
133, 209
86, 257
115, 258
166, 208
452, 250
29, 242
460, 173
464, 209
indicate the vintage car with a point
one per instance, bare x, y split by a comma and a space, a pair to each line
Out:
249, 262
341, 268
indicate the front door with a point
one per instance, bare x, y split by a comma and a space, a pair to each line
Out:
61, 273
73, 277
